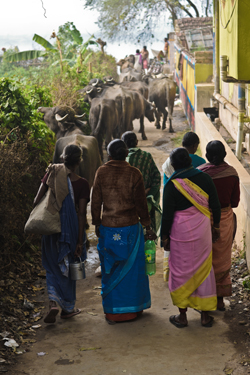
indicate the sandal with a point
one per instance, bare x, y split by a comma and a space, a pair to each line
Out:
111, 322
210, 323
69, 315
51, 315
176, 323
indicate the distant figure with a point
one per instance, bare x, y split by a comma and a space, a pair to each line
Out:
191, 142
144, 53
166, 49
138, 61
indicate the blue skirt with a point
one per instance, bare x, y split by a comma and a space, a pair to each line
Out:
125, 285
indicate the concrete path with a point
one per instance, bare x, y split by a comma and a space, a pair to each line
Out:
86, 344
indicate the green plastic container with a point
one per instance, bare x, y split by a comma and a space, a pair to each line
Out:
150, 253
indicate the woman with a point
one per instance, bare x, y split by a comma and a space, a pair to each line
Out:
118, 192
191, 143
226, 181
186, 232
144, 53
151, 176
60, 249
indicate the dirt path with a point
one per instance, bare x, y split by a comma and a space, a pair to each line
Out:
86, 344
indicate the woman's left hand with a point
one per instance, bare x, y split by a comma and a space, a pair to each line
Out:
78, 250
150, 235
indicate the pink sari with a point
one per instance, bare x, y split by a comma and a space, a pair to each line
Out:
191, 276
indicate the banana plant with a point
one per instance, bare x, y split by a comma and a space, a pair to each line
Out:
55, 50
33, 54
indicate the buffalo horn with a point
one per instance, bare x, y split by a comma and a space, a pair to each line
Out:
59, 118
89, 91
96, 83
99, 89
111, 79
80, 116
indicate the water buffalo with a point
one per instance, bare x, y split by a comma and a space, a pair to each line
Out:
130, 74
127, 62
131, 102
104, 120
91, 157
62, 120
162, 93
139, 86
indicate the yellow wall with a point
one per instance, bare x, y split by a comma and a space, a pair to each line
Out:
235, 38
190, 84
184, 79
203, 72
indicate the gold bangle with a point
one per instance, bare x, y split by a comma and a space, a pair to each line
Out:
216, 228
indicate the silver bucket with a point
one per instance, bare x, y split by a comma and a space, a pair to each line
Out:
77, 270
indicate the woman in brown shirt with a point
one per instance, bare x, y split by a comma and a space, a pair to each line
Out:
119, 209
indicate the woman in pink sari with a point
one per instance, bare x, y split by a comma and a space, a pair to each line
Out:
186, 231
226, 181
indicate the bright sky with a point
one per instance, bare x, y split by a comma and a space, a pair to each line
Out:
21, 19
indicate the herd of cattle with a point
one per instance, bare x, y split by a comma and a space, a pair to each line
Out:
113, 107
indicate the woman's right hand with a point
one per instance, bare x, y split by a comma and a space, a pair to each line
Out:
166, 244
97, 230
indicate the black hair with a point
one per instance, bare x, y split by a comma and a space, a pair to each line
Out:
137, 51
190, 139
72, 154
117, 149
180, 158
145, 47
130, 139
165, 39
215, 152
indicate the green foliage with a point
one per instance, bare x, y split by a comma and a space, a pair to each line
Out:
18, 115
103, 65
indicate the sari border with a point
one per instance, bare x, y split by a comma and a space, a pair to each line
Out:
184, 291
204, 210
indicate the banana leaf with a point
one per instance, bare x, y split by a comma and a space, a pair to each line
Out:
25, 55
44, 43
76, 36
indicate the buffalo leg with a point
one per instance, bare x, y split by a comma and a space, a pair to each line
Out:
143, 135
171, 129
157, 119
165, 116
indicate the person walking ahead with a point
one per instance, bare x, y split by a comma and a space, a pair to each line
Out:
191, 142
118, 192
188, 197
151, 176
60, 249
226, 181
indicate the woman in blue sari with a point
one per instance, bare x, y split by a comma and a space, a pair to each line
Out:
70, 192
119, 209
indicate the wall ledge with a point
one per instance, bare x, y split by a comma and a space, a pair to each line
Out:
207, 132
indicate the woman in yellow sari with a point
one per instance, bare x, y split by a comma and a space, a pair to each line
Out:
188, 197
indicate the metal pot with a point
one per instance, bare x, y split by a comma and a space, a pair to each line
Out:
77, 270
